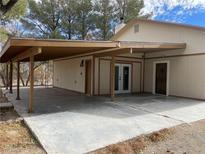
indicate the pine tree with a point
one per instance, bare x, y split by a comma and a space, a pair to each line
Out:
104, 18
44, 19
84, 21
129, 9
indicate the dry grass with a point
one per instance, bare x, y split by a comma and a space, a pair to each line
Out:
14, 134
15, 137
160, 135
135, 145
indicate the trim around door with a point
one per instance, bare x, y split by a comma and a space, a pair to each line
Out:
154, 76
121, 78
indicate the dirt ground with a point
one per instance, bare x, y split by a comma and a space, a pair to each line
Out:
15, 137
182, 139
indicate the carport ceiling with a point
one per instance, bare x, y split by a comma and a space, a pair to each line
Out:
54, 49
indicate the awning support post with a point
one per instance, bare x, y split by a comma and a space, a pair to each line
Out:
18, 81
31, 72
7, 76
93, 74
143, 90
11, 78
113, 78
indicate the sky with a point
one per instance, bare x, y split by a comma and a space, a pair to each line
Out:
180, 11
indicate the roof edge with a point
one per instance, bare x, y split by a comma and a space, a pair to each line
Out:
56, 40
130, 23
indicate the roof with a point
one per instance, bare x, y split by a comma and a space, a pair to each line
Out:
129, 24
58, 48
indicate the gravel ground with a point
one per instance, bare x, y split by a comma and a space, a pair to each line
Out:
186, 139
182, 139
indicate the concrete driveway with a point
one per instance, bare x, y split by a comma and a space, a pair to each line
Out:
66, 122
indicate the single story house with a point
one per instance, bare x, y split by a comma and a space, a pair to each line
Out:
143, 56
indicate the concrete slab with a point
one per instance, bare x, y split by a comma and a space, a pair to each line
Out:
185, 110
66, 122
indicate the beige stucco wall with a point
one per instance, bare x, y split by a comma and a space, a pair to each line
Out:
104, 77
155, 32
187, 73
187, 76
137, 77
69, 75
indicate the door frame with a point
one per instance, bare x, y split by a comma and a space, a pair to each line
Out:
130, 78
154, 76
118, 91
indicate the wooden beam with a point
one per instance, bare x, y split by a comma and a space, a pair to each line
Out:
144, 57
113, 52
18, 81
28, 53
90, 54
7, 76
61, 43
112, 78
152, 45
31, 72
93, 78
11, 78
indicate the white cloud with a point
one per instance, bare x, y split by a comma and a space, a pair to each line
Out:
157, 7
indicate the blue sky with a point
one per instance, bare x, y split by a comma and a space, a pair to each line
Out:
190, 16
182, 11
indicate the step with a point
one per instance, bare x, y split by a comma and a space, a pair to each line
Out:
6, 106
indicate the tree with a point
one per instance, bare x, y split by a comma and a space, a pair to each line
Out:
104, 18
129, 9
9, 24
10, 14
17, 11
84, 21
44, 19
6, 6
69, 18
109, 12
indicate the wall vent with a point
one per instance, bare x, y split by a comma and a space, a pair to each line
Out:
136, 28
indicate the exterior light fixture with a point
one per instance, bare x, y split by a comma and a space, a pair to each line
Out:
82, 63
131, 50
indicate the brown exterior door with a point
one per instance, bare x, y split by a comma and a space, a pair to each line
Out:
161, 78
88, 77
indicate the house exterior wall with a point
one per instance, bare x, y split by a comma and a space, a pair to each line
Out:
187, 76
69, 75
187, 73
104, 77
155, 32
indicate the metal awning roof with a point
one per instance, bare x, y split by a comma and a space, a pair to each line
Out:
57, 48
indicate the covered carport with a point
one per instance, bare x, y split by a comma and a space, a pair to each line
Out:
18, 50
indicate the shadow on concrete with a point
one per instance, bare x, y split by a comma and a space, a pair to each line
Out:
55, 100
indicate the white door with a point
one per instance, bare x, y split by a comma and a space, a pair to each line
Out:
122, 78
